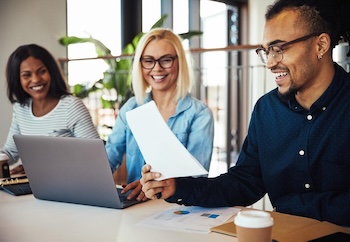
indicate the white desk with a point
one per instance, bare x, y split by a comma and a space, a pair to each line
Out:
25, 218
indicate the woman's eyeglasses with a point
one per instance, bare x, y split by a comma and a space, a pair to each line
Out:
165, 62
276, 51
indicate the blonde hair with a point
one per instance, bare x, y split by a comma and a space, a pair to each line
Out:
185, 72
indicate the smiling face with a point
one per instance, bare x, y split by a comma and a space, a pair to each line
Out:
35, 78
298, 69
160, 79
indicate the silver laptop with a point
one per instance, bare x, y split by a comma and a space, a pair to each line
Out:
72, 170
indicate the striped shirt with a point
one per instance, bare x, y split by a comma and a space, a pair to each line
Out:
69, 118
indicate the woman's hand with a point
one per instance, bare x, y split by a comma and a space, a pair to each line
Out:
137, 191
156, 189
18, 170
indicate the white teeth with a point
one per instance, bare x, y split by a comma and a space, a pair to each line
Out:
36, 88
158, 77
280, 74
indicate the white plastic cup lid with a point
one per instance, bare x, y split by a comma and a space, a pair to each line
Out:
253, 219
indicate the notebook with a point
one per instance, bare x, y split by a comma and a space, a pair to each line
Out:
72, 170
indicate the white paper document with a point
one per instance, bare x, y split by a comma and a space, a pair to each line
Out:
159, 146
190, 219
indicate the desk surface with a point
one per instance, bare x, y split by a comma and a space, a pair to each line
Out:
25, 218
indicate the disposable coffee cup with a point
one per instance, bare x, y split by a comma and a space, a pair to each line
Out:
253, 226
4, 166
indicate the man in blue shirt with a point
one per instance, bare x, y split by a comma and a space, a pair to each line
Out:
298, 145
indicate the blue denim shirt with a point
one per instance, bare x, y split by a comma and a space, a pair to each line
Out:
300, 158
192, 124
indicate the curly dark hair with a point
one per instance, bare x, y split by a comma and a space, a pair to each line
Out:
15, 92
331, 17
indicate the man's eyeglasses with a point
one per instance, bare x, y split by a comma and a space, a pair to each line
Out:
165, 62
276, 51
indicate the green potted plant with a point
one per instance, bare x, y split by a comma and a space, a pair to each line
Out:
117, 75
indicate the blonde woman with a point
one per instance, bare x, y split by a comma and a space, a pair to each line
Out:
161, 72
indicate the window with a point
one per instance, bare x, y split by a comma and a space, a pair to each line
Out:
101, 20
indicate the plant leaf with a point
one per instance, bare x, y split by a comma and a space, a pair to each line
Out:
190, 34
67, 40
160, 22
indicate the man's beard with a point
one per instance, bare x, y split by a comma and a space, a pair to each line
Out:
288, 95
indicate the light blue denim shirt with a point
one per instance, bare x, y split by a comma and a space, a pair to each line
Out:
192, 124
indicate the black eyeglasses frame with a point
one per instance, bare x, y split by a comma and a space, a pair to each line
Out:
159, 61
264, 53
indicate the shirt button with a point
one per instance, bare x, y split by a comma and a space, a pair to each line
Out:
309, 117
307, 185
301, 152
324, 108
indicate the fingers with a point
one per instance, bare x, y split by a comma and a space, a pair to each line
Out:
146, 172
154, 194
147, 175
153, 188
17, 170
146, 168
150, 176
150, 187
130, 186
136, 191
160, 189
142, 197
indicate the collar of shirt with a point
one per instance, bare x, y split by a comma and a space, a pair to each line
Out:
182, 105
323, 102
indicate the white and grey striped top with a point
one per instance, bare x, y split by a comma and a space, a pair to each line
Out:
69, 118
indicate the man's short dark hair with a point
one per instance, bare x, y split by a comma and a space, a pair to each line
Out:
331, 17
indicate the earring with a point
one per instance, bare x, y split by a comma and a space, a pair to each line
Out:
319, 56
